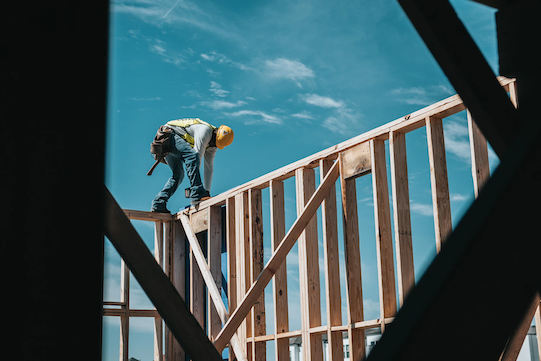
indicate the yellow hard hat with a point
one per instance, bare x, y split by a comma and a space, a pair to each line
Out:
224, 136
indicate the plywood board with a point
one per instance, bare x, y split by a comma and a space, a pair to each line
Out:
356, 161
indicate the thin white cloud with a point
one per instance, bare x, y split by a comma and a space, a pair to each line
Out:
321, 101
261, 117
457, 197
303, 115
288, 69
345, 122
456, 140
217, 89
222, 104
421, 95
422, 209
222, 59
157, 46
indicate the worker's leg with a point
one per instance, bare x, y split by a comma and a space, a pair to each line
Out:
175, 163
191, 162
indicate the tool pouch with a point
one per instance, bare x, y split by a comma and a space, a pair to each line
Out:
160, 146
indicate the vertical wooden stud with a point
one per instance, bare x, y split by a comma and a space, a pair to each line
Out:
179, 277
382, 218
278, 231
259, 349
402, 218
125, 318
168, 269
479, 156
357, 346
438, 176
214, 257
231, 259
158, 323
197, 288
312, 345
242, 234
332, 267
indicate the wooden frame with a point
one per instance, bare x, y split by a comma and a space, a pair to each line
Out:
242, 326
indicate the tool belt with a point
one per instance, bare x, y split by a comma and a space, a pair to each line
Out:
160, 146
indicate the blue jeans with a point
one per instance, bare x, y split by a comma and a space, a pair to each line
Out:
182, 154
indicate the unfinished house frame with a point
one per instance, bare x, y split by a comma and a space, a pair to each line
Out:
195, 235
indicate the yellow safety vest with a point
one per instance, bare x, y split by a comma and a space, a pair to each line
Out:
186, 122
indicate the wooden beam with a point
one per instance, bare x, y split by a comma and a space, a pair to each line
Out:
259, 349
147, 216
310, 294
214, 255
278, 231
179, 277
231, 259
242, 233
332, 267
354, 292
439, 181
512, 349
206, 273
155, 283
125, 318
158, 324
277, 258
479, 156
402, 216
384, 240
462, 62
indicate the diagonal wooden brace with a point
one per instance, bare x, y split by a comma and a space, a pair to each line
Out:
277, 258
211, 284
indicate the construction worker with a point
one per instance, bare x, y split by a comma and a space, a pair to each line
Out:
191, 141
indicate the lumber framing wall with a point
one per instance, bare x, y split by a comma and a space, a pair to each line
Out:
241, 324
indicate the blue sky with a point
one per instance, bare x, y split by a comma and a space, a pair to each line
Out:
291, 78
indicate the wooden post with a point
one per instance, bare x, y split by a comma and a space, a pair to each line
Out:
125, 318
401, 210
242, 234
278, 231
197, 289
479, 156
382, 218
312, 345
438, 176
168, 269
158, 324
231, 260
259, 349
357, 346
179, 277
214, 256
332, 267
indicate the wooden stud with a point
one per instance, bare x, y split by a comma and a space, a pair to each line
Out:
125, 318
179, 277
231, 259
357, 347
168, 269
276, 259
479, 156
158, 323
197, 288
538, 327
402, 217
312, 345
278, 231
243, 268
259, 349
214, 255
382, 218
332, 267
438, 176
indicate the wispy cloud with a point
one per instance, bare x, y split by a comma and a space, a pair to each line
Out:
321, 101
158, 46
305, 115
222, 59
421, 95
287, 69
422, 209
222, 104
456, 139
261, 117
217, 89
